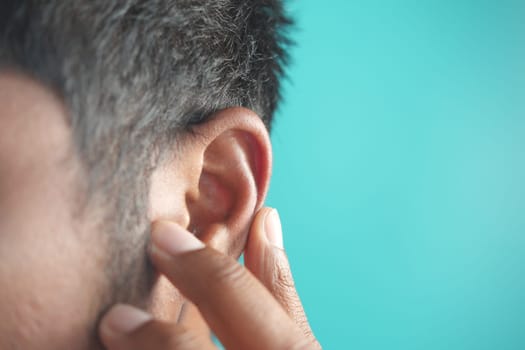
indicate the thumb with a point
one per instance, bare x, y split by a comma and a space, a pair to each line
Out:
264, 256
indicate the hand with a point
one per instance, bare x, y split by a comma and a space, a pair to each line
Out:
257, 310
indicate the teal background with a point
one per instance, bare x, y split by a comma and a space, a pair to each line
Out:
399, 172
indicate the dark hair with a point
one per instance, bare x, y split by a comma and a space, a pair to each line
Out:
135, 73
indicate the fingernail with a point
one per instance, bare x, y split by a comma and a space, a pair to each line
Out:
273, 230
123, 319
169, 238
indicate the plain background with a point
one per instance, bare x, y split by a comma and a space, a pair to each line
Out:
399, 172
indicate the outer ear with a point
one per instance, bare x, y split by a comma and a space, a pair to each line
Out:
218, 179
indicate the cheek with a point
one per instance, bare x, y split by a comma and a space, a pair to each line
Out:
33, 316
51, 286
43, 305
51, 275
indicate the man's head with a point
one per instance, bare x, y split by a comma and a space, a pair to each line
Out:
114, 114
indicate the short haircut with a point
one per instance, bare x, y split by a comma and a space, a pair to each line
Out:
133, 74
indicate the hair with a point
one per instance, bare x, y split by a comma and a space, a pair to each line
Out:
134, 74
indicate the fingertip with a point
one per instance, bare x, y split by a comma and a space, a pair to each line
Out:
122, 320
272, 228
257, 240
264, 250
169, 239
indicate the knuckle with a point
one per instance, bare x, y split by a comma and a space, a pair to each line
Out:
283, 282
284, 279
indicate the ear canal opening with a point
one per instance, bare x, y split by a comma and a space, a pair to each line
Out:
212, 205
215, 197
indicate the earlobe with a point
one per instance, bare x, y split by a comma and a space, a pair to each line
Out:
224, 171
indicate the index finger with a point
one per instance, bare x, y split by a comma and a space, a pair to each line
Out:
238, 308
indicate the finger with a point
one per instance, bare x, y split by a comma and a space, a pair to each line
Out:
127, 328
265, 257
237, 307
191, 318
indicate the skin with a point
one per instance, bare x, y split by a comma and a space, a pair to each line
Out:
256, 307
47, 272
54, 255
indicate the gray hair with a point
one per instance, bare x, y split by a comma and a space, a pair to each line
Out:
135, 73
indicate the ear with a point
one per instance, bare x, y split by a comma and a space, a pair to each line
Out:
216, 179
